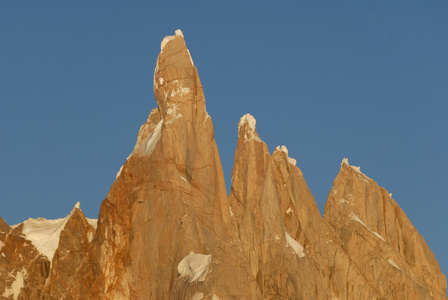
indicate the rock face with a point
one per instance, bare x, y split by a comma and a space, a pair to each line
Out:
169, 199
278, 262
39, 257
168, 230
380, 240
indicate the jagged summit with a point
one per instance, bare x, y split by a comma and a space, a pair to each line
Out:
247, 129
44, 234
178, 33
250, 120
168, 230
346, 166
177, 87
285, 150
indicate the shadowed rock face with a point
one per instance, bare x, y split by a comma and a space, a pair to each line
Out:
168, 230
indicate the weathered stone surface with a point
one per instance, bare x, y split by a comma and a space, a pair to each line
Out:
169, 199
282, 272
73, 249
380, 240
23, 270
304, 223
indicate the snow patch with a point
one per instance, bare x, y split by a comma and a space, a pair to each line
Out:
231, 212
390, 261
191, 59
343, 201
147, 145
356, 169
178, 32
194, 266
92, 222
165, 41
156, 69
283, 149
168, 38
198, 296
215, 297
119, 172
249, 134
298, 249
16, 286
291, 160
1, 245
173, 112
151, 141
90, 236
354, 217
44, 234
179, 89
289, 210
249, 119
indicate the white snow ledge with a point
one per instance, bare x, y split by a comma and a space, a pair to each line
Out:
291, 160
194, 266
356, 169
44, 234
249, 119
250, 132
354, 217
296, 247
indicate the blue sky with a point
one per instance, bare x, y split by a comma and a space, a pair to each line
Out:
367, 80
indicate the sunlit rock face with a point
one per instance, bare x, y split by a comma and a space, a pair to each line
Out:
168, 230
380, 240
279, 263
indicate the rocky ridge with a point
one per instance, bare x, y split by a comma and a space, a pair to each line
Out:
168, 230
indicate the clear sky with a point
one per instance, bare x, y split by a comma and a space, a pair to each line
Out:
367, 80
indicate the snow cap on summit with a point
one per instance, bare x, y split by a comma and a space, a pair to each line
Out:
179, 33
250, 133
285, 150
282, 148
249, 119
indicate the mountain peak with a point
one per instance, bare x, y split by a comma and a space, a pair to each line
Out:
247, 128
177, 87
285, 150
178, 33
